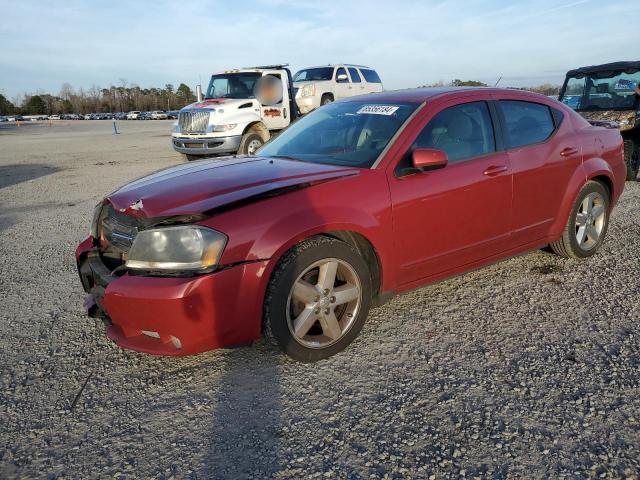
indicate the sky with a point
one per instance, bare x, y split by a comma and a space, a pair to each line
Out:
410, 43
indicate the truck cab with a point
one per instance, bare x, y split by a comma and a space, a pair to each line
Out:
609, 95
240, 110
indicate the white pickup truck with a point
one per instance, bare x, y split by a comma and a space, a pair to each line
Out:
231, 119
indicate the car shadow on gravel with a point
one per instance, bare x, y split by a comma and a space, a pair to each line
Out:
14, 174
246, 424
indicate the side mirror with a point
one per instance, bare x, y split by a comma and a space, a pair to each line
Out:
342, 77
429, 158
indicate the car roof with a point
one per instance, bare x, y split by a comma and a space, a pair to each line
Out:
420, 95
627, 67
338, 65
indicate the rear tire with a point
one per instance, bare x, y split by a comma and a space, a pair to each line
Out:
318, 299
631, 158
587, 224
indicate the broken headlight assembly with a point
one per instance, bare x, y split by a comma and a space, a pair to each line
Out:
184, 248
94, 221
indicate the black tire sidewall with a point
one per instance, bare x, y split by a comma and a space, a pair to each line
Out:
280, 286
590, 187
247, 138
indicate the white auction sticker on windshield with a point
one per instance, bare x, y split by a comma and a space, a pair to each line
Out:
378, 109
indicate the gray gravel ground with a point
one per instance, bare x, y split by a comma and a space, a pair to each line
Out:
526, 369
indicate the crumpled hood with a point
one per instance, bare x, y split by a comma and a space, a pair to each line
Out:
198, 187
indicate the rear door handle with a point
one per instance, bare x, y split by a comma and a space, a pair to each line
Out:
494, 170
567, 152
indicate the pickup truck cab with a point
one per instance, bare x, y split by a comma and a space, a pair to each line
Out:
240, 110
317, 86
133, 115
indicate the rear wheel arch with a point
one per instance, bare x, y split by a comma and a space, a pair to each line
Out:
606, 183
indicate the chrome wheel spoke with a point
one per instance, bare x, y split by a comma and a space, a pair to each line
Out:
304, 321
597, 212
327, 275
346, 293
580, 235
305, 292
330, 326
592, 233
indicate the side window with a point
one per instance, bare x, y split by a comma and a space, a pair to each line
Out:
341, 71
527, 123
355, 76
463, 131
370, 76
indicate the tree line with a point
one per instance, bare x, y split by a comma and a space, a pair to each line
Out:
545, 89
121, 98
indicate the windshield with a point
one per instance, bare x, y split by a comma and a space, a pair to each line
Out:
602, 91
232, 85
314, 74
342, 133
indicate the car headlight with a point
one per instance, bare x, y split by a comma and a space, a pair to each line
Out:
184, 247
224, 128
308, 90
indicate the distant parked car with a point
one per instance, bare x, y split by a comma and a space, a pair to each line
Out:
158, 115
172, 114
54, 117
317, 86
3, 119
133, 115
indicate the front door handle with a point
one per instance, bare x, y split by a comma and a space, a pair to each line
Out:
567, 152
494, 170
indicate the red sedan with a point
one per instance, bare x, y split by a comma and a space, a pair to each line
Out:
360, 200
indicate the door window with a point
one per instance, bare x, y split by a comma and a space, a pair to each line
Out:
370, 76
463, 131
355, 76
527, 123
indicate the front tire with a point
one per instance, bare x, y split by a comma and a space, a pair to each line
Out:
253, 139
318, 299
631, 159
587, 224
191, 158
326, 99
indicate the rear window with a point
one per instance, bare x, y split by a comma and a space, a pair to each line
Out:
527, 123
370, 76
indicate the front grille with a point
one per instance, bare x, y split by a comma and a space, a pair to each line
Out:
193, 122
116, 233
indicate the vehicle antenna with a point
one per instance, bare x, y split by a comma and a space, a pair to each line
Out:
498, 82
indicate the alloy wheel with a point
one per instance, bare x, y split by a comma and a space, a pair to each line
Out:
590, 221
254, 145
323, 303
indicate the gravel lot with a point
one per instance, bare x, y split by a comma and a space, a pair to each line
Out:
526, 369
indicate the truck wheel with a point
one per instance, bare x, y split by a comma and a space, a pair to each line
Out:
253, 139
191, 158
631, 159
326, 98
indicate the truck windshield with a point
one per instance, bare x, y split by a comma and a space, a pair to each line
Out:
350, 133
232, 85
314, 74
605, 91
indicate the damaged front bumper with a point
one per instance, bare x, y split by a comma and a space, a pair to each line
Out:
173, 315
